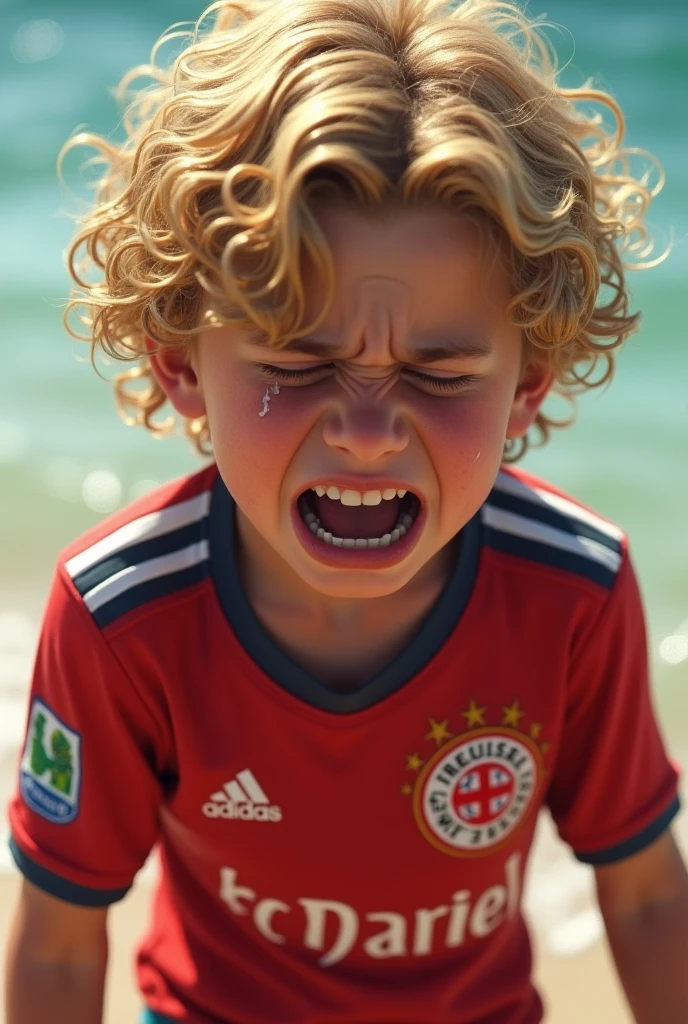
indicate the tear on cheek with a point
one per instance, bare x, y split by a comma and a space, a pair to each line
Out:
272, 389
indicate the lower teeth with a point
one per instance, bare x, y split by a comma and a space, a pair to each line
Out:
400, 530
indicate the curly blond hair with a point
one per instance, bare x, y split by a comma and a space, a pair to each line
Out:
202, 212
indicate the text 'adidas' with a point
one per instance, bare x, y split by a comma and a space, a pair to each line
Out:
242, 798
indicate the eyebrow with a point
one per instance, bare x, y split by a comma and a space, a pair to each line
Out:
457, 347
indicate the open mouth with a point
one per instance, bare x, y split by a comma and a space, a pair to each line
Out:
351, 519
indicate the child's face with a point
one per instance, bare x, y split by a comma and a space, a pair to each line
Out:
361, 416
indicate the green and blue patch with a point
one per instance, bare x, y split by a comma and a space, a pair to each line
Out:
50, 771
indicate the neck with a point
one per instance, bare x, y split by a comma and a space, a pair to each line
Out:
342, 642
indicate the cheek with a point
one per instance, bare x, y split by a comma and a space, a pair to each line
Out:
457, 428
253, 451
464, 438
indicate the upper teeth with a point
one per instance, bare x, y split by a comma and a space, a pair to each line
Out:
348, 497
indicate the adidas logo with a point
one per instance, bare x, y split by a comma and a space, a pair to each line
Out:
242, 797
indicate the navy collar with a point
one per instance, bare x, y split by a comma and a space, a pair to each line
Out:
429, 639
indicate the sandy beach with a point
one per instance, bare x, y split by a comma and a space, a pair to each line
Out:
575, 988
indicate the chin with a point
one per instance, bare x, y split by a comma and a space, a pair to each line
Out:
352, 585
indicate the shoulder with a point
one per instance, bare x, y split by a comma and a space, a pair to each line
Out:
527, 518
153, 547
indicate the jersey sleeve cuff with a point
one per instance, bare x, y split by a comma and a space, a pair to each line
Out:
636, 843
54, 885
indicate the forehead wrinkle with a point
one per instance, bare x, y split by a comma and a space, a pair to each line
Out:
377, 317
379, 314
461, 345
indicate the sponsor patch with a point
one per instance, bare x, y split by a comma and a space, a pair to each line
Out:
50, 772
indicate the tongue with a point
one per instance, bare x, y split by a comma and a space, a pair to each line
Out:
358, 521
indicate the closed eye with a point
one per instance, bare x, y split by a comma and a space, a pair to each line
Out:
441, 383
444, 383
281, 374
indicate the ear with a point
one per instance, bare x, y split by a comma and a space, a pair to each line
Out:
531, 392
174, 370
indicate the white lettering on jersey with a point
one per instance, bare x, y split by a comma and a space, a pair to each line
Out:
447, 925
390, 942
487, 911
314, 937
231, 893
242, 799
456, 929
263, 915
423, 932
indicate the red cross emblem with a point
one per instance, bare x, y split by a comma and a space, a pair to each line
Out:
483, 792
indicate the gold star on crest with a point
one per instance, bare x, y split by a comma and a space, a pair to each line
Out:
512, 714
535, 730
439, 732
414, 763
406, 789
474, 715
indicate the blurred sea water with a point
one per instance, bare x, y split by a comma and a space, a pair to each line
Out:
66, 459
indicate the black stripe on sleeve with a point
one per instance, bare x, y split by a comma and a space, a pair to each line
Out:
636, 843
544, 513
136, 596
70, 892
548, 554
135, 554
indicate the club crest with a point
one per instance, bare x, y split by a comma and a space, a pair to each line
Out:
478, 786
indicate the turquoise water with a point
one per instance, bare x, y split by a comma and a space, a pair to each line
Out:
65, 459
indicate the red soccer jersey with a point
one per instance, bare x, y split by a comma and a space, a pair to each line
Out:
335, 858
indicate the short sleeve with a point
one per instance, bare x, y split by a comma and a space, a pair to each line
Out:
85, 813
614, 789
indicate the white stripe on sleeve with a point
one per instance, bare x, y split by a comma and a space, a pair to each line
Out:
133, 575
155, 524
531, 529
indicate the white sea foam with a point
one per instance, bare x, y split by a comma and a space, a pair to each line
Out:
18, 635
559, 895
6, 862
14, 441
37, 40
18, 631
575, 934
12, 722
102, 490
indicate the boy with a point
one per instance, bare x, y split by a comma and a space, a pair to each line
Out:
336, 673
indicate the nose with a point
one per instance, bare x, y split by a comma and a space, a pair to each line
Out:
366, 430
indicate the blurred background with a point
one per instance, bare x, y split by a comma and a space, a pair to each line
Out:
65, 457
